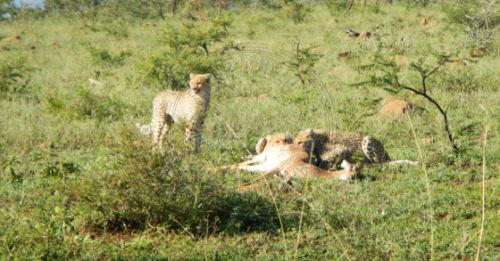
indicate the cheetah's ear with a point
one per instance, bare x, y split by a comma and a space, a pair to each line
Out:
288, 138
208, 76
309, 131
261, 145
191, 76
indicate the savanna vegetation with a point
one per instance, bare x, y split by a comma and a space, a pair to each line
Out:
78, 181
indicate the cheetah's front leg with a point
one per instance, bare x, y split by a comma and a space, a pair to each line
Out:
192, 134
333, 156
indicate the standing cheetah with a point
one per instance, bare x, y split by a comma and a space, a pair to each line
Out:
171, 107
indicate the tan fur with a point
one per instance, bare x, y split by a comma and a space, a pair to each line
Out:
291, 160
191, 106
272, 140
331, 148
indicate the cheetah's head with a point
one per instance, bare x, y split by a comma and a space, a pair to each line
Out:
305, 139
199, 82
273, 140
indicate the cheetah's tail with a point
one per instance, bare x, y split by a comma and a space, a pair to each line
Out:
144, 129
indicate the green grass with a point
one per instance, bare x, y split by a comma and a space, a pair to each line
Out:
76, 182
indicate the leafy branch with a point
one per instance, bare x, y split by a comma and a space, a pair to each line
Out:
390, 80
192, 47
302, 63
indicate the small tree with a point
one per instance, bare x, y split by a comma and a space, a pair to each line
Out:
14, 76
5, 6
194, 47
385, 74
334, 6
296, 10
302, 62
173, 6
479, 19
161, 5
86, 9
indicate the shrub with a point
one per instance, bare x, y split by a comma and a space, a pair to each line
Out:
55, 103
296, 10
337, 5
104, 57
14, 76
249, 211
116, 28
478, 18
86, 9
5, 7
385, 73
198, 48
90, 105
173, 190
302, 64
172, 69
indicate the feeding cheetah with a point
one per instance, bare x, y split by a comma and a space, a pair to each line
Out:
170, 107
330, 148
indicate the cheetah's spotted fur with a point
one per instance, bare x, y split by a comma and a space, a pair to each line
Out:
170, 107
331, 148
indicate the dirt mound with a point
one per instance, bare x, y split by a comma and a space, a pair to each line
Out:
393, 106
400, 59
425, 21
365, 35
12, 38
478, 52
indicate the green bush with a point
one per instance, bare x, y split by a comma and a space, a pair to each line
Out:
296, 10
194, 47
173, 190
5, 6
88, 10
90, 105
117, 28
302, 64
336, 5
55, 103
478, 17
103, 57
14, 76
173, 68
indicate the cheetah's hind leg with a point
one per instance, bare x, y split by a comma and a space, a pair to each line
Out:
166, 126
374, 150
158, 130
